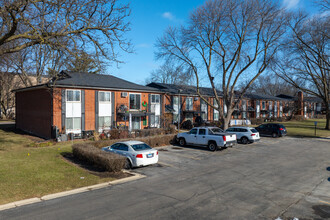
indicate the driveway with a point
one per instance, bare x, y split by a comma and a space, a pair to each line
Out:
286, 177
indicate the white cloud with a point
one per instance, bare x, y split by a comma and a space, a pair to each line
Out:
290, 4
168, 15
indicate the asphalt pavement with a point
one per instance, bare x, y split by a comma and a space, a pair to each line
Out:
282, 177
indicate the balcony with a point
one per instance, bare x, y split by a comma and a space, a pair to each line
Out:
123, 109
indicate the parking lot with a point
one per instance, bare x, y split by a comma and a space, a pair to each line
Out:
281, 177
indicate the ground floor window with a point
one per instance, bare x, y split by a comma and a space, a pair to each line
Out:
73, 123
154, 120
104, 121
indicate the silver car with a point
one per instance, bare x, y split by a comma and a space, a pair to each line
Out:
137, 153
245, 135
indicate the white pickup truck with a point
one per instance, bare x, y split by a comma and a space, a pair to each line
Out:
212, 137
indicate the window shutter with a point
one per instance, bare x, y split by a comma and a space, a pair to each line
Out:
97, 111
113, 109
149, 109
63, 109
82, 110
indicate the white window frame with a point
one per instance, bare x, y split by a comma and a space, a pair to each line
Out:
192, 103
66, 117
151, 102
66, 95
129, 101
101, 128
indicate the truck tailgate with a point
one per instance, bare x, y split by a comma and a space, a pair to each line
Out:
230, 137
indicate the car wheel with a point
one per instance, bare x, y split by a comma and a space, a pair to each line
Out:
244, 140
128, 164
274, 135
212, 146
182, 142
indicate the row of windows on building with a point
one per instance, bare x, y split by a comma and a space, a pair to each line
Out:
73, 110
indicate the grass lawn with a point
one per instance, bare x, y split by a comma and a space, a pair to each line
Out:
27, 172
306, 128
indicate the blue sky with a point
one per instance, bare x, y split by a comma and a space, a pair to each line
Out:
149, 19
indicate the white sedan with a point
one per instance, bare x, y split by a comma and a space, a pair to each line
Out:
137, 153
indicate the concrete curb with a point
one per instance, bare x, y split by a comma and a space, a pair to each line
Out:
11, 205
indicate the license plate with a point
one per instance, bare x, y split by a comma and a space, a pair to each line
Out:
150, 155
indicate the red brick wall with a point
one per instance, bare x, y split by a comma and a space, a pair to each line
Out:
34, 112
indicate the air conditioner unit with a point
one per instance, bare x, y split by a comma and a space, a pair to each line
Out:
124, 94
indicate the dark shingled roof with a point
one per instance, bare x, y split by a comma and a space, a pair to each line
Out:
76, 79
186, 90
262, 97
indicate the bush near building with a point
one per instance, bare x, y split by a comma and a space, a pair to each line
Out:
89, 153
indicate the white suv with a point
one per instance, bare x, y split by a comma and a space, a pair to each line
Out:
245, 134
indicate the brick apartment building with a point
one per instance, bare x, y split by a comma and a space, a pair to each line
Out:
83, 102
78, 102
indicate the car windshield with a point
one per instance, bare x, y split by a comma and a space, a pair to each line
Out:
254, 130
216, 130
140, 147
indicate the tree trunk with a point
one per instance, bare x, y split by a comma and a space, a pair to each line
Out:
226, 121
327, 125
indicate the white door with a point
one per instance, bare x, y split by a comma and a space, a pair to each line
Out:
136, 122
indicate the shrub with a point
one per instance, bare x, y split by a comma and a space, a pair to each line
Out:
105, 160
298, 117
153, 141
187, 125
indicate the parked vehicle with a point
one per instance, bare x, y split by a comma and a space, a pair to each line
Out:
245, 134
272, 129
137, 153
212, 137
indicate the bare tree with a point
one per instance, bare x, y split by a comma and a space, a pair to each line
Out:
306, 58
226, 41
270, 84
170, 74
96, 25
323, 4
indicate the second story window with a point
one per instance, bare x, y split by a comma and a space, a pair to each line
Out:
189, 104
155, 99
135, 101
73, 95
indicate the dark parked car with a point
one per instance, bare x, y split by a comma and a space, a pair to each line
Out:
272, 129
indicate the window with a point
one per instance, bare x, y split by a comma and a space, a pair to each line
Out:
104, 110
215, 112
189, 104
193, 131
115, 146
73, 111
104, 96
73, 123
230, 129
258, 109
263, 105
203, 110
155, 99
135, 101
140, 147
123, 147
73, 95
201, 132
104, 121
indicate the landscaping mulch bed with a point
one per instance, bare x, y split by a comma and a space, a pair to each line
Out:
93, 169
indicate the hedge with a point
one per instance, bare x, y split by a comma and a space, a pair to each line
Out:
153, 141
105, 160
